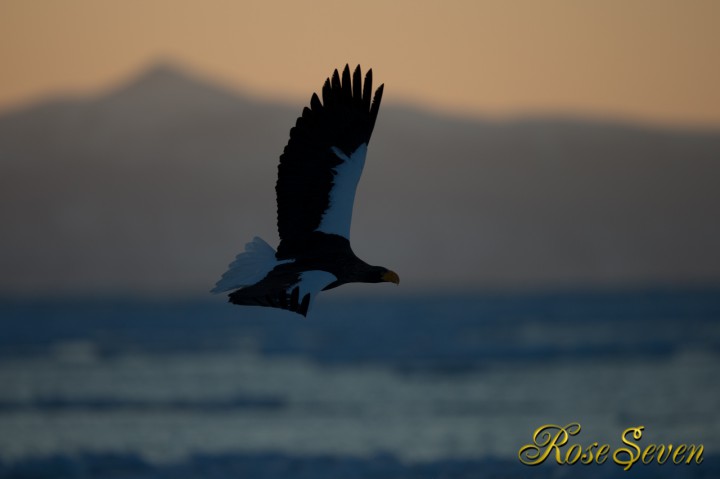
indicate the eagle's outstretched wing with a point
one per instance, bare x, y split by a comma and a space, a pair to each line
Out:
322, 163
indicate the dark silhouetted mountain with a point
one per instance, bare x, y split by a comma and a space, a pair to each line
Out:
155, 186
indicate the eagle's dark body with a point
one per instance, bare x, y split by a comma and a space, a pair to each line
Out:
324, 252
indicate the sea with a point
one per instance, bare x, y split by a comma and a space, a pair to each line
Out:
414, 386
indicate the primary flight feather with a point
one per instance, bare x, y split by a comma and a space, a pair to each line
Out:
317, 177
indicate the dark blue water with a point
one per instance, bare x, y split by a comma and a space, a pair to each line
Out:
415, 387
445, 332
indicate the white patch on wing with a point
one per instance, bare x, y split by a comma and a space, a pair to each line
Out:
312, 282
249, 267
338, 216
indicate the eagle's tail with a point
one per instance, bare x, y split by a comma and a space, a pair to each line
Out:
249, 267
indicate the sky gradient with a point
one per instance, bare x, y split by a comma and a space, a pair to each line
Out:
647, 61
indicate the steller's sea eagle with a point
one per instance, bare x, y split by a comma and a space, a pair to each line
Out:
317, 177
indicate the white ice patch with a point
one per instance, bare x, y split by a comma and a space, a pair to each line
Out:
249, 267
338, 216
312, 282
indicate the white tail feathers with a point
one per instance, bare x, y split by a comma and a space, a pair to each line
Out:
249, 267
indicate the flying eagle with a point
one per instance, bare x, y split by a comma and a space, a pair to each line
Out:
317, 177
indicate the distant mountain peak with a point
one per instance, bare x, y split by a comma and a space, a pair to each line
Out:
162, 71
167, 81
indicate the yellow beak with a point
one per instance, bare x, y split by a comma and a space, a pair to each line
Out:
391, 277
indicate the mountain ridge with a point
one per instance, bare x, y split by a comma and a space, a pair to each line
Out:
155, 186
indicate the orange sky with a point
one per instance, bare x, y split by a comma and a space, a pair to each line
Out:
653, 61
